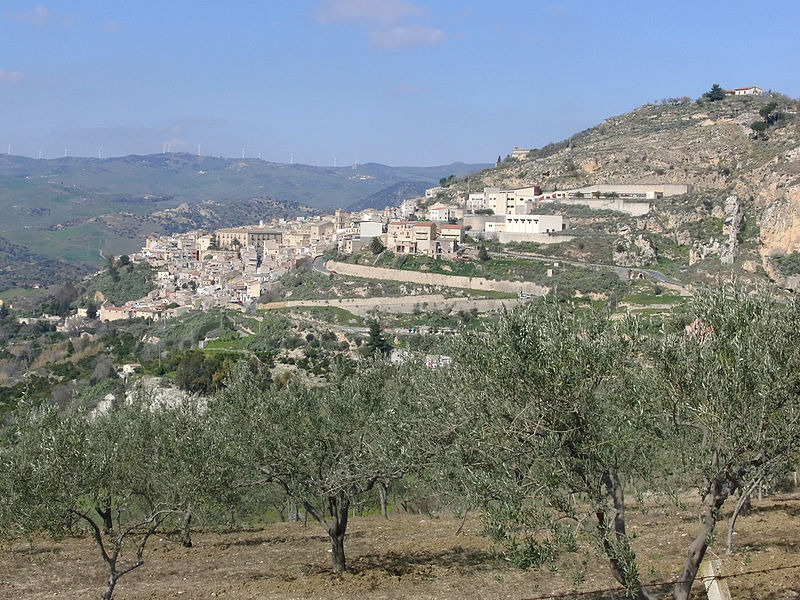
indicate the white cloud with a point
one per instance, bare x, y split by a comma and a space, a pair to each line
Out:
383, 12
10, 76
110, 26
39, 16
406, 36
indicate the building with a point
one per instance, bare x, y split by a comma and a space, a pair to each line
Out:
410, 237
520, 153
430, 193
520, 228
247, 236
370, 229
540, 224
649, 191
518, 201
452, 232
444, 212
750, 90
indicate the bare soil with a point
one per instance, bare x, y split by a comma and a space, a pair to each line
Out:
405, 557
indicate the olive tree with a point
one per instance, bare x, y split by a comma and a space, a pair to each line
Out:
58, 468
324, 446
140, 463
730, 381
557, 412
544, 428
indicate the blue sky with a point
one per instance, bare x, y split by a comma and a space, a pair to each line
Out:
394, 81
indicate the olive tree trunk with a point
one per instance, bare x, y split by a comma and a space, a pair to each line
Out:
382, 493
718, 493
617, 548
186, 531
338, 508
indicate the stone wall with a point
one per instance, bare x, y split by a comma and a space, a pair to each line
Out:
406, 304
454, 281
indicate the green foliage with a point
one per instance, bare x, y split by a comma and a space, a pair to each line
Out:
324, 446
140, 462
788, 264
759, 128
202, 373
483, 255
554, 412
119, 285
715, 93
376, 245
377, 344
765, 110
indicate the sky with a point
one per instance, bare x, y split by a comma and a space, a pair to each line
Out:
333, 82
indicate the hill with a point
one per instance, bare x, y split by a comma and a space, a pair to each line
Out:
138, 181
390, 196
712, 147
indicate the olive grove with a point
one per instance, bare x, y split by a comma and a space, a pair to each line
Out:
554, 421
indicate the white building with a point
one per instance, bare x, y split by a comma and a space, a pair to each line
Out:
750, 90
539, 228
443, 212
542, 224
370, 229
430, 193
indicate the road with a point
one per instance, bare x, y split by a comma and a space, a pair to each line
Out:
319, 265
655, 275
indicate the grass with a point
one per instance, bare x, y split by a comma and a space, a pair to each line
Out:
329, 314
74, 244
14, 292
645, 299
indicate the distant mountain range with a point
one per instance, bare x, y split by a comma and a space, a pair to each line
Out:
390, 196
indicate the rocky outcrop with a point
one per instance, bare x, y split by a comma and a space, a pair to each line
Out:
727, 249
731, 226
780, 228
700, 251
634, 252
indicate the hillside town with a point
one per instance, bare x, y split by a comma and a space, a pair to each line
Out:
232, 267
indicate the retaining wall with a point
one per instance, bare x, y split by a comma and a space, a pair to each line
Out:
455, 281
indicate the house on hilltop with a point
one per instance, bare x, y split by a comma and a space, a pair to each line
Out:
520, 153
750, 90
